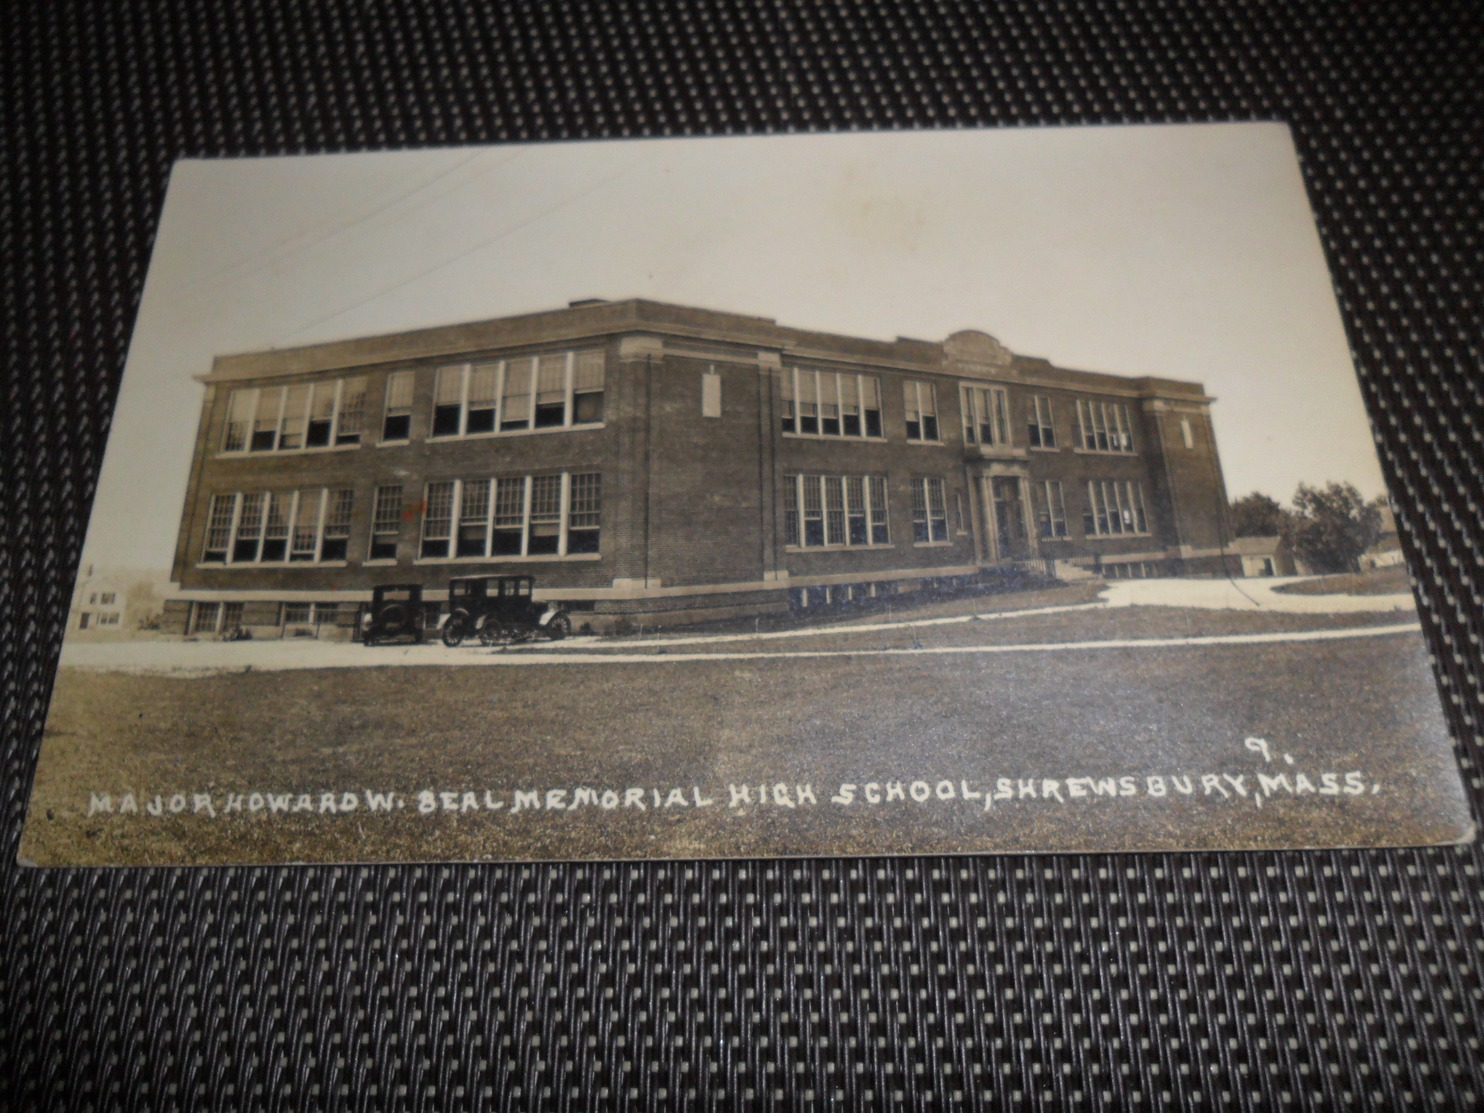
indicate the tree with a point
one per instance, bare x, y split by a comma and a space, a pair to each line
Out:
1330, 528
1256, 514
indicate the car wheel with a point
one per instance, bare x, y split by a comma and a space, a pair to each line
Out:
559, 627
453, 632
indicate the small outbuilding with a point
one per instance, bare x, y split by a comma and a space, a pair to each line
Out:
1265, 556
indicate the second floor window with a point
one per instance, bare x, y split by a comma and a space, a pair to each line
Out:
986, 413
832, 404
920, 405
396, 425
296, 417
551, 391
1104, 427
1040, 432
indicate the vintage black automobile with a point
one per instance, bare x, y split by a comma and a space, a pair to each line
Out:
501, 609
396, 613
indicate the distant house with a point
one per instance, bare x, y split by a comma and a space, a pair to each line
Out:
1265, 556
98, 602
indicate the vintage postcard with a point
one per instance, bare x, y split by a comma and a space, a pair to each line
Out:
914, 493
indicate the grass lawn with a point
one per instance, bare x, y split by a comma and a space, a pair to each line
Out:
896, 607
1386, 579
959, 723
1081, 625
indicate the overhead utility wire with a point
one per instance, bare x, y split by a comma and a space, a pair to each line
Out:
476, 247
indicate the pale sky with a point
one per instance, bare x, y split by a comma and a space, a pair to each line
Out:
1184, 251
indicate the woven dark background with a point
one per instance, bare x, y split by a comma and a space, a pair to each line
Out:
1286, 980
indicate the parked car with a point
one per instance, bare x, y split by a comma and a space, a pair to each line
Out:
501, 609
396, 612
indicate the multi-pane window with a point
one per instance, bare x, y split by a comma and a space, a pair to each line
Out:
296, 417
1115, 508
515, 394
480, 398
543, 533
587, 387
1040, 431
249, 539
814, 535
311, 525
834, 508
386, 522
920, 404
265, 420
437, 519
986, 413
298, 613
464, 399
929, 510
396, 424
352, 410
870, 389
335, 540
206, 616
522, 393
240, 408
276, 527
876, 510
1051, 509
858, 531
322, 408
829, 511
304, 536
315, 613
448, 400
294, 427
1104, 427
510, 516
474, 518
220, 519
545, 514
584, 506
833, 404
551, 390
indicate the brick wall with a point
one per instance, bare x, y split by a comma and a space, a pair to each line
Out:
695, 500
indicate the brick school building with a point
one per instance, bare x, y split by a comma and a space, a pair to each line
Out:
658, 464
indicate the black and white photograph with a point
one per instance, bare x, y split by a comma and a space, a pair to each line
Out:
860, 494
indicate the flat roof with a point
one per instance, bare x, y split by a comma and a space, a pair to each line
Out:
968, 353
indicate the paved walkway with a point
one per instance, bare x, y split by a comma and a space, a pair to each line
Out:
1249, 594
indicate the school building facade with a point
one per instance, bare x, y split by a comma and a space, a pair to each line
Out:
653, 463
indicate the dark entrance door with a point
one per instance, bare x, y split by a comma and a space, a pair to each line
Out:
1009, 519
